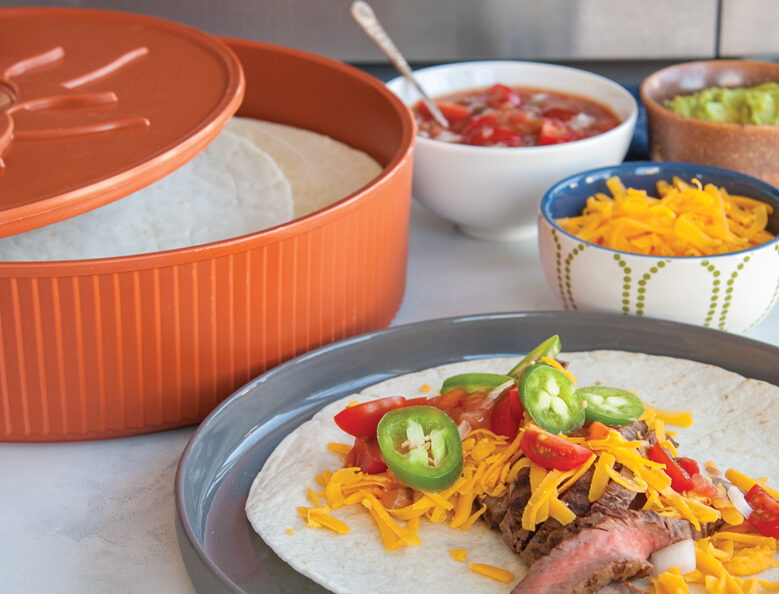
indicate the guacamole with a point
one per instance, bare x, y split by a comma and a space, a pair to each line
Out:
753, 105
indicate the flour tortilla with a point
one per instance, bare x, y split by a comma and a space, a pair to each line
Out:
310, 188
324, 170
734, 425
230, 189
253, 176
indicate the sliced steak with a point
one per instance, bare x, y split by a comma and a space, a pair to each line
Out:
601, 548
547, 536
614, 498
577, 497
620, 588
551, 533
636, 431
707, 529
496, 509
511, 524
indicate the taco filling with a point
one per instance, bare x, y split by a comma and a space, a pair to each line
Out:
585, 486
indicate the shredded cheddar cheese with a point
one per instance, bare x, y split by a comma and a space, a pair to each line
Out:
686, 219
320, 518
490, 463
496, 573
554, 363
670, 582
724, 558
339, 448
725, 561
745, 483
544, 485
459, 554
669, 417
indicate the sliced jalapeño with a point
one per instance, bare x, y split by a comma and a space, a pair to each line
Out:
474, 382
610, 406
549, 396
549, 348
421, 446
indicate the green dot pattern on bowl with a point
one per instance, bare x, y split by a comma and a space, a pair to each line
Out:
564, 272
731, 293
642, 285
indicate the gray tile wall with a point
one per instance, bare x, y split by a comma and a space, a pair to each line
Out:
444, 30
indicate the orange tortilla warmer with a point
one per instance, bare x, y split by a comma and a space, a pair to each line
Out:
97, 104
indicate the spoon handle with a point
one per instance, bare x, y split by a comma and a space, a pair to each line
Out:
366, 18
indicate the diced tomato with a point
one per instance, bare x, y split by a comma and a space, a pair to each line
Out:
765, 511
475, 409
680, 480
452, 399
551, 451
479, 131
499, 95
507, 414
507, 136
452, 111
397, 498
690, 466
503, 422
560, 113
516, 404
703, 486
366, 454
598, 431
476, 419
556, 132
361, 420
480, 123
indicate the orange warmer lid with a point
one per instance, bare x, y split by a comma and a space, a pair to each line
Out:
97, 104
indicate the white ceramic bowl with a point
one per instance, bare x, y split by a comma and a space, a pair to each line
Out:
731, 292
493, 192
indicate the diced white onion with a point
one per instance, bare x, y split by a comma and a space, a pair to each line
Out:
464, 428
581, 121
680, 554
447, 136
495, 392
737, 499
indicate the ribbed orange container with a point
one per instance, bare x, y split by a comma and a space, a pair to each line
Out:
122, 346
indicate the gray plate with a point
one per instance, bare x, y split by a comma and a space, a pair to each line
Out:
221, 551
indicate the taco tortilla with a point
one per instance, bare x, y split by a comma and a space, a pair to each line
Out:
734, 425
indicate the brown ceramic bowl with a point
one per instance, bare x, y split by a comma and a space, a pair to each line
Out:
120, 346
750, 149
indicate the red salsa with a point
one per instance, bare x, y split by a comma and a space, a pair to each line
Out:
507, 117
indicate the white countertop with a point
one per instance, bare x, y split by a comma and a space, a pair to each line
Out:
99, 516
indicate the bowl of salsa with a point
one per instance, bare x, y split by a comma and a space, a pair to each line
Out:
504, 116
515, 128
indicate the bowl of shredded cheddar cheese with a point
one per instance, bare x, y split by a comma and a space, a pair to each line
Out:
678, 241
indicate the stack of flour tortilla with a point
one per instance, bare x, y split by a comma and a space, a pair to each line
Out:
253, 176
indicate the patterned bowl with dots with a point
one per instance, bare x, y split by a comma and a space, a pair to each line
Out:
731, 292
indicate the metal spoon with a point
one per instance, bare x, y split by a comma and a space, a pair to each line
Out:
366, 18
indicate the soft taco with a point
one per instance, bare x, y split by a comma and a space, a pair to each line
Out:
639, 497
